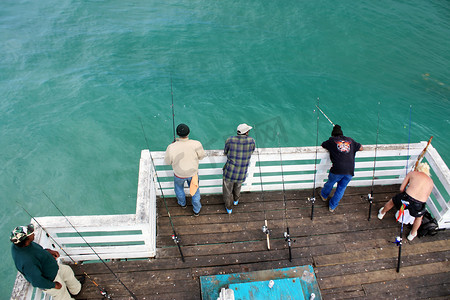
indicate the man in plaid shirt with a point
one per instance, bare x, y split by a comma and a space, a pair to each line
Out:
238, 150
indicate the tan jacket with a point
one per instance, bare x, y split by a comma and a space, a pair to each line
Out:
184, 155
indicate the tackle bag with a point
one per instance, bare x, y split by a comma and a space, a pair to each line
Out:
429, 225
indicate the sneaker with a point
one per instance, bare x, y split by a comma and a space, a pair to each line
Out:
196, 214
183, 207
236, 202
381, 215
331, 209
411, 237
321, 197
229, 211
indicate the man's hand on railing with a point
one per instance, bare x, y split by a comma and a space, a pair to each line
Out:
54, 253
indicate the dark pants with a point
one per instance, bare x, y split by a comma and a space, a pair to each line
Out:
231, 192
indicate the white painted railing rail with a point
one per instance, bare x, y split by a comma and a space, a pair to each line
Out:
134, 235
391, 165
111, 236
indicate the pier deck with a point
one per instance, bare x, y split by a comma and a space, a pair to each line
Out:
352, 257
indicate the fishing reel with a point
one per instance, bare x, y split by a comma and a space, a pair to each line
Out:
176, 239
287, 238
369, 197
398, 241
312, 199
265, 229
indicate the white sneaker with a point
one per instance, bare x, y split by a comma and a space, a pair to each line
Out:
381, 215
411, 237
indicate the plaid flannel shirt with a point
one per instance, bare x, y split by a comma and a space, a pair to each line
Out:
238, 150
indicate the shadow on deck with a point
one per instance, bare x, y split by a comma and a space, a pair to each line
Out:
352, 257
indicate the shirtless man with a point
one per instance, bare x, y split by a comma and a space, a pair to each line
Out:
419, 189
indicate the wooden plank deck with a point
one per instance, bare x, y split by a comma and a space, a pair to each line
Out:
352, 257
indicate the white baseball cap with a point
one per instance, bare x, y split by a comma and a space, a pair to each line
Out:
243, 128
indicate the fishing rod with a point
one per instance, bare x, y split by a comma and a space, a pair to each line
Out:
265, 228
103, 292
370, 196
313, 197
401, 212
422, 154
173, 110
287, 235
89, 245
324, 113
399, 239
175, 237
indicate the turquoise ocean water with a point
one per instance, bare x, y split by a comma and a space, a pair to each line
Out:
76, 77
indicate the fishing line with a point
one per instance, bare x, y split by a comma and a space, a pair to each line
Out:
409, 140
173, 110
287, 236
175, 237
370, 196
103, 292
313, 197
89, 245
265, 228
324, 113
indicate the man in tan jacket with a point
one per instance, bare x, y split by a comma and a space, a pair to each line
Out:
183, 155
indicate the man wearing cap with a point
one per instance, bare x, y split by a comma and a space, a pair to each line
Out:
183, 155
342, 151
238, 150
39, 266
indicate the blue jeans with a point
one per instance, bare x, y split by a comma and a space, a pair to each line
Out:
181, 197
342, 182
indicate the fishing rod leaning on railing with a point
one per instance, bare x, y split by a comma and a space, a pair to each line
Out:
89, 245
370, 196
265, 228
287, 235
175, 237
313, 197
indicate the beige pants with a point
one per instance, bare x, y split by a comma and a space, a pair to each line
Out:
68, 281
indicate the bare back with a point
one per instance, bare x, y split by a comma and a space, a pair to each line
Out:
419, 185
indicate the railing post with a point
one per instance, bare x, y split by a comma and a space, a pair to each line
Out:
250, 179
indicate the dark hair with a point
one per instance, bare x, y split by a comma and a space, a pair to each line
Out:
337, 131
183, 130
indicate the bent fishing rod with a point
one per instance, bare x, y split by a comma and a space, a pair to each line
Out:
173, 110
175, 237
287, 235
103, 292
370, 196
265, 228
324, 113
313, 197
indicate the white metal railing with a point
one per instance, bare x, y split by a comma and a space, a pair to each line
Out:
134, 235
111, 236
391, 165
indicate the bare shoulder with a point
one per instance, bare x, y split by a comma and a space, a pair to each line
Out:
422, 177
